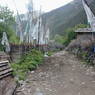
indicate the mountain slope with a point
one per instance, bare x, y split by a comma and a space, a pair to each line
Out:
67, 16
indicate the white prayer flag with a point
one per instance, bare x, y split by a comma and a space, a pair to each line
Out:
90, 16
5, 42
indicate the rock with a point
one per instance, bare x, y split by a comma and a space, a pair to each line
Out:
72, 80
7, 86
21, 82
38, 92
56, 65
32, 72
46, 55
79, 93
93, 81
92, 73
83, 83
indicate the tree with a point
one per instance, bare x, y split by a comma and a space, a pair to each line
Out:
7, 15
69, 35
58, 39
8, 25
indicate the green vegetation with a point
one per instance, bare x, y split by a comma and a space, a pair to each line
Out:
86, 56
69, 35
67, 16
49, 53
58, 39
7, 25
28, 62
80, 26
83, 50
1, 47
66, 38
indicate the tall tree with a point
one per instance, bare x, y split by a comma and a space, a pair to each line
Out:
6, 15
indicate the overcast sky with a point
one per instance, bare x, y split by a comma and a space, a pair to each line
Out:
47, 5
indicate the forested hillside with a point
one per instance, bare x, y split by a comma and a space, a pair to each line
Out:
68, 16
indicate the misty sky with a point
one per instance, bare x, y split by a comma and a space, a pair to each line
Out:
47, 5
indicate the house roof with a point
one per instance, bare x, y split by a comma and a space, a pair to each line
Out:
83, 30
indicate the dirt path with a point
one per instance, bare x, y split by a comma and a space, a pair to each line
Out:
62, 74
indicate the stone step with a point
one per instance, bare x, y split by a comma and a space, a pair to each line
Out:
2, 65
17, 53
17, 50
5, 75
4, 68
4, 62
2, 53
5, 72
4, 56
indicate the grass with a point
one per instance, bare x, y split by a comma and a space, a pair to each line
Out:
27, 63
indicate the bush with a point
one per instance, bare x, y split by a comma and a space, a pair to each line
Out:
27, 63
49, 53
69, 36
8, 25
1, 47
58, 39
66, 38
80, 26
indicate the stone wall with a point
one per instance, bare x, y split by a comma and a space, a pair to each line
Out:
84, 48
19, 50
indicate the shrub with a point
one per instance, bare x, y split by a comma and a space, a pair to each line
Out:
8, 25
49, 53
58, 39
28, 62
69, 36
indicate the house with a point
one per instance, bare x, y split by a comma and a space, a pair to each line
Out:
86, 32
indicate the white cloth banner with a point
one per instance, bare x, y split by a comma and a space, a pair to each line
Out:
90, 16
5, 42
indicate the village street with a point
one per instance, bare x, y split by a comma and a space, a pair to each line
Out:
61, 74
